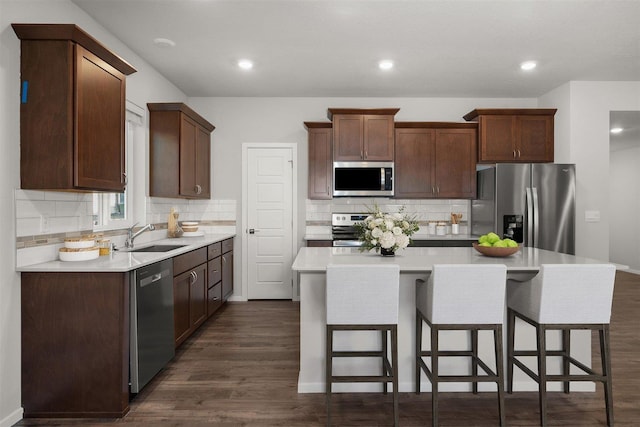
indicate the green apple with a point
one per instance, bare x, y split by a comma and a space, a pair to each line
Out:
511, 243
500, 244
485, 244
483, 239
492, 238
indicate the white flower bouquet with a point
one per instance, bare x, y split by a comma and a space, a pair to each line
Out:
386, 231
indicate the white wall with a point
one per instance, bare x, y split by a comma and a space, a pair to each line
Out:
591, 103
624, 193
144, 86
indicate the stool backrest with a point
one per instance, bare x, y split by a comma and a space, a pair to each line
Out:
569, 293
463, 294
363, 294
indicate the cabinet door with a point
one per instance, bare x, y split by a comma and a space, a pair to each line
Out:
188, 142
347, 137
99, 148
227, 275
320, 164
497, 137
455, 163
202, 165
413, 165
535, 138
198, 297
181, 304
378, 137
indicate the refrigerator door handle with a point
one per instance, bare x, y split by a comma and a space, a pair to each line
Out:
536, 216
529, 219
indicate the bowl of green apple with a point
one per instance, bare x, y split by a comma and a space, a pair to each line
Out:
491, 244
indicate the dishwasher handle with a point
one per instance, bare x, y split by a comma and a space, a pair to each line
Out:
153, 278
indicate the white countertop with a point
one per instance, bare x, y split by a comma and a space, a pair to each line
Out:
414, 237
312, 259
121, 261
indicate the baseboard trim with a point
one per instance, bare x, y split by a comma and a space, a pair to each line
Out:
12, 418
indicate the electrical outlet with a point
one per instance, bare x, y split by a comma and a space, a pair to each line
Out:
44, 223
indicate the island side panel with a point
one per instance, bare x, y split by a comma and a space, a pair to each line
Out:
75, 344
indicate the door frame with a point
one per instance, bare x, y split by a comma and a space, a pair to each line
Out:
246, 146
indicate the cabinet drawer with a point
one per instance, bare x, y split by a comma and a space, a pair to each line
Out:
215, 271
227, 245
214, 250
184, 262
214, 298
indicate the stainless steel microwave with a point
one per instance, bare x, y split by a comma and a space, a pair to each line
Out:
370, 179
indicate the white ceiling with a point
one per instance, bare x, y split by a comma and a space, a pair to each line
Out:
441, 48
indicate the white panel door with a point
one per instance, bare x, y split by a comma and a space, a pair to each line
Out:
270, 223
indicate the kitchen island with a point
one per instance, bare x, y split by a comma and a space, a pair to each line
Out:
415, 263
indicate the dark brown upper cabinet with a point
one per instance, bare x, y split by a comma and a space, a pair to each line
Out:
72, 110
514, 135
362, 134
435, 160
179, 152
320, 160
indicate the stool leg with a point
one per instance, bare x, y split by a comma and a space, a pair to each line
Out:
566, 350
383, 334
542, 373
394, 369
511, 330
497, 337
605, 358
418, 349
434, 375
474, 359
328, 371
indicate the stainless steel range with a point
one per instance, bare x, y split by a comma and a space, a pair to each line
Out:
343, 229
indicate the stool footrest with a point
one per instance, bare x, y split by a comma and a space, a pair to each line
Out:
362, 378
357, 354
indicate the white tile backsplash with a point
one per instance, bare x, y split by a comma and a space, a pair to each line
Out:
423, 209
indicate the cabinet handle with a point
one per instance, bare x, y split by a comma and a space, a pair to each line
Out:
124, 179
514, 154
198, 189
366, 154
194, 277
518, 153
215, 298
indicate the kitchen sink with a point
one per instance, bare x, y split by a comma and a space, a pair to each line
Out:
158, 248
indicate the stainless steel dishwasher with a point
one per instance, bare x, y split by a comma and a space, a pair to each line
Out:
152, 340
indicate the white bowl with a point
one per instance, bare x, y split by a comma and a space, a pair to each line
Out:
79, 242
79, 254
190, 226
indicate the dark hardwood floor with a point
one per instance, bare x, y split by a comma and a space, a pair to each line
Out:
241, 369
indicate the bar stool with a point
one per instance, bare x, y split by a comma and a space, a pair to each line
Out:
461, 297
363, 298
562, 297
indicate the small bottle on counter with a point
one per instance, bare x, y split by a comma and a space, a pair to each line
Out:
105, 246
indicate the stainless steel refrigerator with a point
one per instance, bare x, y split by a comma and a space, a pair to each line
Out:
534, 204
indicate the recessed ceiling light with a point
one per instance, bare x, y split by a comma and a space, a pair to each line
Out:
245, 64
616, 130
528, 65
385, 64
164, 42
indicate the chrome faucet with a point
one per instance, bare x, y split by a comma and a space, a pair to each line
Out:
131, 235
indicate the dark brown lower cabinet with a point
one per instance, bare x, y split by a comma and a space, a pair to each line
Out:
189, 293
75, 344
